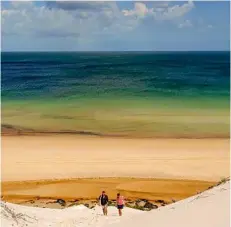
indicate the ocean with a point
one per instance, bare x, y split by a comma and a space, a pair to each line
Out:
130, 94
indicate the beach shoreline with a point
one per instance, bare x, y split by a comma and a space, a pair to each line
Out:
12, 130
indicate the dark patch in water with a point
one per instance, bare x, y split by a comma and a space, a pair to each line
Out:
57, 117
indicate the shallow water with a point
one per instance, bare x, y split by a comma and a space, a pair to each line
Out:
163, 94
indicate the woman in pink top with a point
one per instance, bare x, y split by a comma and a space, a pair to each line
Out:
120, 203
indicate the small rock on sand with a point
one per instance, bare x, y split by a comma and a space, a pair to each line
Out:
61, 202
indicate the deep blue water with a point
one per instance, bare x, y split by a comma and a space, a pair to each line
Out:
112, 74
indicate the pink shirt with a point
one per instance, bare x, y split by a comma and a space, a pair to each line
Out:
120, 200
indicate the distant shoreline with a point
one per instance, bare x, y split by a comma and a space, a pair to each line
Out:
10, 130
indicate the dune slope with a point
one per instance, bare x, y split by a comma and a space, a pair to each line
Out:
208, 209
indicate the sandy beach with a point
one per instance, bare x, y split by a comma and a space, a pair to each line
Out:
64, 157
51, 167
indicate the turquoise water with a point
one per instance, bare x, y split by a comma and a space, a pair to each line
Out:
163, 94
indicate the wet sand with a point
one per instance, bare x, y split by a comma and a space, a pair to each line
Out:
44, 193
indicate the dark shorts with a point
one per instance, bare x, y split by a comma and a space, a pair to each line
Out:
120, 207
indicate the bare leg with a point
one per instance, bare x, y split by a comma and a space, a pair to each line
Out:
105, 210
120, 212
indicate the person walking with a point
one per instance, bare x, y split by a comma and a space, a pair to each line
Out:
103, 201
120, 203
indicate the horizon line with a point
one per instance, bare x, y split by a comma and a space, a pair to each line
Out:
81, 51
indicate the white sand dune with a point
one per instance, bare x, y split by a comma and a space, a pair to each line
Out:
208, 209
73, 216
